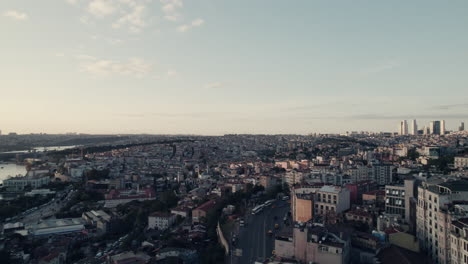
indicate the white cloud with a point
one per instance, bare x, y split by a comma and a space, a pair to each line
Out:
195, 23
72, 2
213, 85
135, 67
171, 8
127, 14
59, 54
101, 8
171, 73
134, 19
16, 15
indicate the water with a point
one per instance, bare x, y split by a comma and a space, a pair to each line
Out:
11, 169
40, 149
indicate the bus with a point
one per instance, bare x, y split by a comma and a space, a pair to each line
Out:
257, 209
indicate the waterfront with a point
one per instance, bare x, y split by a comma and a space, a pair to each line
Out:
39, 149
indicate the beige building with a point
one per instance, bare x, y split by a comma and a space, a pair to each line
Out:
461, 162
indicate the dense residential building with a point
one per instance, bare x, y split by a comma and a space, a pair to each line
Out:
434, 216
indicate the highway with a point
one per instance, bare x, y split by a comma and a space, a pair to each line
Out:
47, 210
253, 239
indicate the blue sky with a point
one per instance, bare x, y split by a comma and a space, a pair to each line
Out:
218, 66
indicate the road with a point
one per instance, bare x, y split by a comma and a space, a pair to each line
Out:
253, 238
48, 209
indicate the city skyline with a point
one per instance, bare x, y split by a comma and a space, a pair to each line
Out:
212, 68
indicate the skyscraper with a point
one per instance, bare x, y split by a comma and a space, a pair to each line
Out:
442, 127
403, 128
434, 127
461, 127
414, 127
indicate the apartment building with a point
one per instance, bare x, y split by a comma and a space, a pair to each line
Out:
332, 199
161, 221
459, 241
19, 183
438, 205
315, 244
397, 199
461, 162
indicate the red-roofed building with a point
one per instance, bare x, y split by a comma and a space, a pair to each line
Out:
203, 210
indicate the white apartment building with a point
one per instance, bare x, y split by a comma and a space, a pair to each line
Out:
380, 173
161, 221
436, 209
19, 183
331, 199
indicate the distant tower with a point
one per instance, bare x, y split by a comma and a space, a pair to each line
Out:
414, 128
434, 128
461, 127
442, 127
403, 128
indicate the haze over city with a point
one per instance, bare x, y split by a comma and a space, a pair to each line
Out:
216, 67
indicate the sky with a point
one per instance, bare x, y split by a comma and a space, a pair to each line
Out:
231, 66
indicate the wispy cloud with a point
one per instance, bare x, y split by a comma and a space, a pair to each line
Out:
171, 9
16, 15
385, 66
128, 14
134, 19
101, 8
135, 67
213, 85
195, 23
451, 106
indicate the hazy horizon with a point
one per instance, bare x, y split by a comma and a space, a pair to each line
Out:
224, 67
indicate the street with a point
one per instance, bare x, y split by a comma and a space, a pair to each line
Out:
254, 239
48, 209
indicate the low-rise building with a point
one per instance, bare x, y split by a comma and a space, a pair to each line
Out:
19, 183
359, 215
100, 219
161, 221
202, 211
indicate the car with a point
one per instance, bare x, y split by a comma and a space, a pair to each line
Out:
270, 232
241, 223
